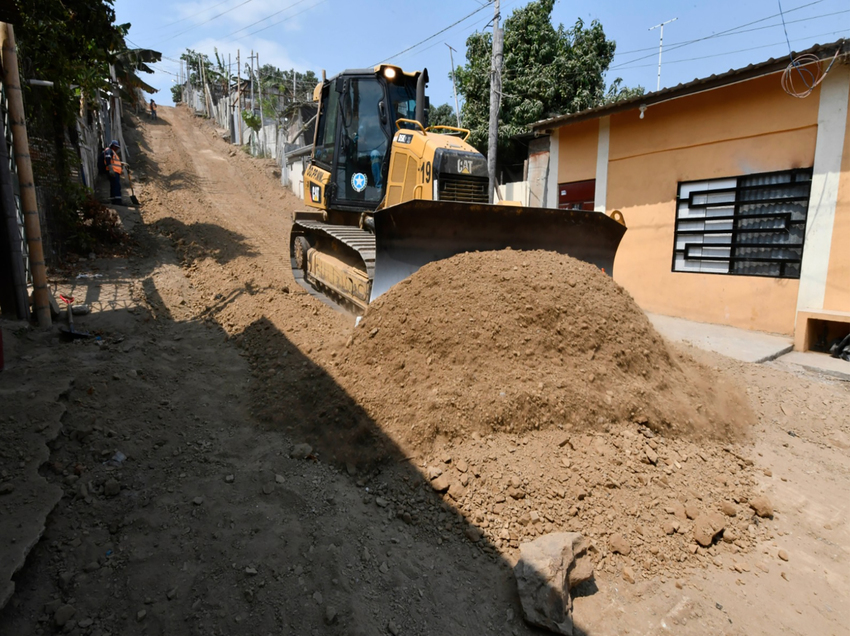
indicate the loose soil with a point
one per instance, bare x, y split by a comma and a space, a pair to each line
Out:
513, 341
489, 400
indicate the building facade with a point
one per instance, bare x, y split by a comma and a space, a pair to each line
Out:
736, 195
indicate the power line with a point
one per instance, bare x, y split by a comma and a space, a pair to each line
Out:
191, 28
489, 21
312, 6
742, 31
431, 37
271, 15
754, 48
784, 28
218, 4
714, 35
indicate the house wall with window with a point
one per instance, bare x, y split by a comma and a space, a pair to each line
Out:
745, 139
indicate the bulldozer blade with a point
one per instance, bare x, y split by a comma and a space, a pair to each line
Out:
412, 234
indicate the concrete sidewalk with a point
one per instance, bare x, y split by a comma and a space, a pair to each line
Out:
747, 346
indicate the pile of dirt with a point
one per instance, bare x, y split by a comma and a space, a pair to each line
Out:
514, 341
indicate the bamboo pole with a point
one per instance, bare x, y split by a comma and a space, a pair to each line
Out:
29, 205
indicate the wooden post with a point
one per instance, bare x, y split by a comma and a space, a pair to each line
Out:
29, 205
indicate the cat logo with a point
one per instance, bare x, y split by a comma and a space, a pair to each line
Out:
464, 166
315, 193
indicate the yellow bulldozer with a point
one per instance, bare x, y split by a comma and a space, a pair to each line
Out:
390, 194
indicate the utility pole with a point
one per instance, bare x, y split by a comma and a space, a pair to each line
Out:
260, 91
495, 100
660, 47
253, 106
454, 84
238, 122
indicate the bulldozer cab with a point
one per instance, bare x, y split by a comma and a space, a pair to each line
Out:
358, 111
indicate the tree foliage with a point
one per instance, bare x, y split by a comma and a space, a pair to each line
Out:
442, 115
68, 42
547, 71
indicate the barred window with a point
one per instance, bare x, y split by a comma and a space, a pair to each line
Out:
749, 226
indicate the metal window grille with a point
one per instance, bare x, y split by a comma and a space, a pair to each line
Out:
747, 226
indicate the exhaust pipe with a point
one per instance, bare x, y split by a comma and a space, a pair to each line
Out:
421, 81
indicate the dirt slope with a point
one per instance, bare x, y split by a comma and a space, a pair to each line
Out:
212, 365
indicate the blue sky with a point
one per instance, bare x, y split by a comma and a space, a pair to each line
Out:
338, 34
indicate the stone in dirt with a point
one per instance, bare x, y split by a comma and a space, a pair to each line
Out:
707, 527
728, 509
111, 487
677, 510
330, 615
692, 511
441, 483
63, 615
628, 574
762, 506
618, 543
547, 569
301, 451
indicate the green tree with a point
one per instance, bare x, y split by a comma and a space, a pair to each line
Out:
195, 62
71, 43
443, 115
547, 71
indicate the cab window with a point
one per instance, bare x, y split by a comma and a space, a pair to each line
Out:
363, 142
326, 133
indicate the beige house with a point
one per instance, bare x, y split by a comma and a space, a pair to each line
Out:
736, 193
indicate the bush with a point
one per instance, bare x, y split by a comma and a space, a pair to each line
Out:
88, 224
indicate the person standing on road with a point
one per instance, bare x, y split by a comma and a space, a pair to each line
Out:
153, 109
112, 159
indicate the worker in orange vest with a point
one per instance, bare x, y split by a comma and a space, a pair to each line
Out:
113, 169
153, 109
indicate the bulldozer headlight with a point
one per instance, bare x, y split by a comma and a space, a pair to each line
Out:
389, 73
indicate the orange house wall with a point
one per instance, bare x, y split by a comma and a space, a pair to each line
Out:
577, 153
737, 130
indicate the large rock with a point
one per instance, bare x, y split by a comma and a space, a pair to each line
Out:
548, 568
708, 526
762, 506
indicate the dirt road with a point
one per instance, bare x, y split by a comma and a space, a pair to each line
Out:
213, 369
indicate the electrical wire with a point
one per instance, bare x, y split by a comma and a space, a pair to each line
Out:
312, 6
714, 35
487, 24
807, 68
431, 37
195, 26
784, 26
752, 48
271, 15
739, 32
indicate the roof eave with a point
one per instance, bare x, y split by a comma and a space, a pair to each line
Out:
736, 76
